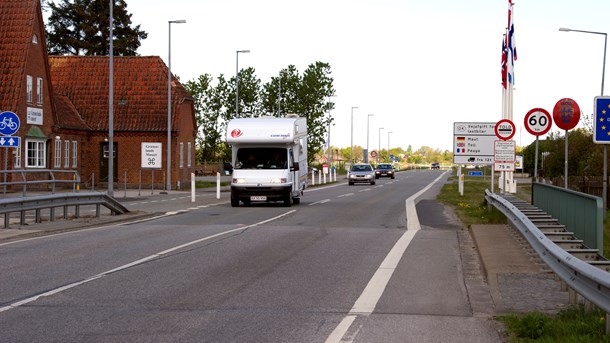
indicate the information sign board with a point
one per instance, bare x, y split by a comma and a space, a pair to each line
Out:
473, 143
504, 155
151, 155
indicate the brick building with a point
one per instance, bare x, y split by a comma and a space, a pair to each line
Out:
62, 103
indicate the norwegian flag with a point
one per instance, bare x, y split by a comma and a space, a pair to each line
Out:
511, 48
504, 70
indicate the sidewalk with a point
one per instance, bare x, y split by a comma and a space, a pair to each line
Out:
518, 280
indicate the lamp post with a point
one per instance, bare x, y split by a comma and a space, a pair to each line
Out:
367, 137
110, 106
605, 181
389, 144
379, 152
237, 80
169, 101
351, 146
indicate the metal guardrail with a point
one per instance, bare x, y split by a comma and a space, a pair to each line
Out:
52, 201
584, 278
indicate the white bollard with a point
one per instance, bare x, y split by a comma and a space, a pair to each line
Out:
192, 187
217, 185
313, 178
324, 178
320, 177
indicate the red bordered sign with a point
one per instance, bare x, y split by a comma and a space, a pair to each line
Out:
538, 121
505, 129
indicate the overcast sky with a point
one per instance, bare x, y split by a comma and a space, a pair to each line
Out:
417, 65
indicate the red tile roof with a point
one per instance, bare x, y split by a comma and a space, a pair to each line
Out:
16, 29
140, 90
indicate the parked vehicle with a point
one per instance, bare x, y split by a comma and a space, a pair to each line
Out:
384, 170
269, 157
361, 172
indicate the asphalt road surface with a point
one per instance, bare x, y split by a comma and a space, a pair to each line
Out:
348, 264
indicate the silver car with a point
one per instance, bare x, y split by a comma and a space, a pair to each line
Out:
362, 172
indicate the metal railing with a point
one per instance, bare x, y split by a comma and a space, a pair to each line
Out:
586, 279
37, 177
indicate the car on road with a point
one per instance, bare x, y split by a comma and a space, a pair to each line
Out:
361, 173
384, 170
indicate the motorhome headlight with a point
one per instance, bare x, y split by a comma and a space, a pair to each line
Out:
238, 180
278, 180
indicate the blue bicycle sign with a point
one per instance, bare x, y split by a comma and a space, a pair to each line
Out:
9, 123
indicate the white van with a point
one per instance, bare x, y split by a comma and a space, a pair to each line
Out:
269, 157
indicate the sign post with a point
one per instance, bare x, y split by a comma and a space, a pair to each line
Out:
537, 122
566, 115
9, 124
505, 130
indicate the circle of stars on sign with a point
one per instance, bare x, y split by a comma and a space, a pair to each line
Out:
602, 120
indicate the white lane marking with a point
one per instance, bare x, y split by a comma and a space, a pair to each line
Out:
365, 304
364, 190
135, 263
345, 195
319, 202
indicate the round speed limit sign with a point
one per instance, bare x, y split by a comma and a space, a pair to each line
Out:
538, 121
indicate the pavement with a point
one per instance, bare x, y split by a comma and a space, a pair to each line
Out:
515, 277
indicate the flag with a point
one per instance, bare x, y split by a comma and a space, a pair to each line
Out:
504, 61
511, 48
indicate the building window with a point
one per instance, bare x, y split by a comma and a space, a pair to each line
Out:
36, 152
29, 86
188, 158
18, 157
74, 154
67, 154
57, 159
39, 90
181, 155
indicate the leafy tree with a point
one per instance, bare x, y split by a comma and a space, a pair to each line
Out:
249, 94
81, 27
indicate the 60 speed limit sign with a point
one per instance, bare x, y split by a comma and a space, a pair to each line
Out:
538, 121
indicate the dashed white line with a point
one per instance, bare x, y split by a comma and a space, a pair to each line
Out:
319, 202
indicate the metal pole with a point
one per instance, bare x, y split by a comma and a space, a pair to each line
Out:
367, 137
565, 181
237, 80
168, 185
351, 145
379, 152
110, 107
389, 144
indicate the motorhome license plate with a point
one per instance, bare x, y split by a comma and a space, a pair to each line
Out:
258, 198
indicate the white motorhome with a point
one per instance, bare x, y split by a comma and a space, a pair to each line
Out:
269, 156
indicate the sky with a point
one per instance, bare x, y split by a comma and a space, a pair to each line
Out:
417, 65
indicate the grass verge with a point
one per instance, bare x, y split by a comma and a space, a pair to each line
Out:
572, 324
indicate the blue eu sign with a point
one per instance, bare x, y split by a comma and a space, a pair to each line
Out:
601, 125
9, 123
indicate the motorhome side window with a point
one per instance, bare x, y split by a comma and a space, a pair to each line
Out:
262, 158
301, 146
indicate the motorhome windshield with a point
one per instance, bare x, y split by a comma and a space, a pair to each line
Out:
261, 158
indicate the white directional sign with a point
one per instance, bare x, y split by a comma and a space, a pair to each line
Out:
10, 141
151, 155
504, 155
473, 143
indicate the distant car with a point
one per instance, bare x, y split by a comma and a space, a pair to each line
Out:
384, 170
361, 172
435, 165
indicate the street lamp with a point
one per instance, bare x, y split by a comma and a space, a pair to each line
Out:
605, 181
367, 137
351, 146
389, 144
379, 152
169, 101
237, 80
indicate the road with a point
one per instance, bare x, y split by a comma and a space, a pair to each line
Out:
341, 266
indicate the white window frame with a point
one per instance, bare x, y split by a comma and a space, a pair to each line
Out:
39, 85
74, 154
36, 150
181, 155
28, 89
66, 154
188, 156
17, 161
57, 156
